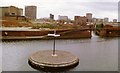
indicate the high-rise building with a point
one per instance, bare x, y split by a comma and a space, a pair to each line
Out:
114, 20
30, 12
52, 16
89, 17
106, 19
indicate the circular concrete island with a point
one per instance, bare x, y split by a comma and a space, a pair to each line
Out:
46, 61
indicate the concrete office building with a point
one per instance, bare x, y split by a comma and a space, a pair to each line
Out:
114, 20
51, 16
65, 18
89, 17
30, 12
100, 20
106, 19
94, 20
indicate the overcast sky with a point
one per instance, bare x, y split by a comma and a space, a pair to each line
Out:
70, 8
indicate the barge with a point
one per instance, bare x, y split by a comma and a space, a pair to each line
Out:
8, 34
108, 32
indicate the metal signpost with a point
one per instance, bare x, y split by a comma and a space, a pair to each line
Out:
54, 35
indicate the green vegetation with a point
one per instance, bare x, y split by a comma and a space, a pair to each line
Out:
99, 25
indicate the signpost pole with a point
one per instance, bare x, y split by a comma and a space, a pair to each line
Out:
54, 47
54, 36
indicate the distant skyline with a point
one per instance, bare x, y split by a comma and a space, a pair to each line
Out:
70, 8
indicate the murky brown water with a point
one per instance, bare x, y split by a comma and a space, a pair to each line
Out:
95, 54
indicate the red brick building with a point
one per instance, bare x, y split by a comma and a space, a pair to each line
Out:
79, 20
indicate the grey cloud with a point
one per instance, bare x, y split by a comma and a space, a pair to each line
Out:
105, 6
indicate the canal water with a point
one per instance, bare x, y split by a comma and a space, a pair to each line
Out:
95, 54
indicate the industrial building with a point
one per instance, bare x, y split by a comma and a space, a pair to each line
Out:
11, 11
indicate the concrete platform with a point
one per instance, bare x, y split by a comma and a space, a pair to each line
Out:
61, 61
